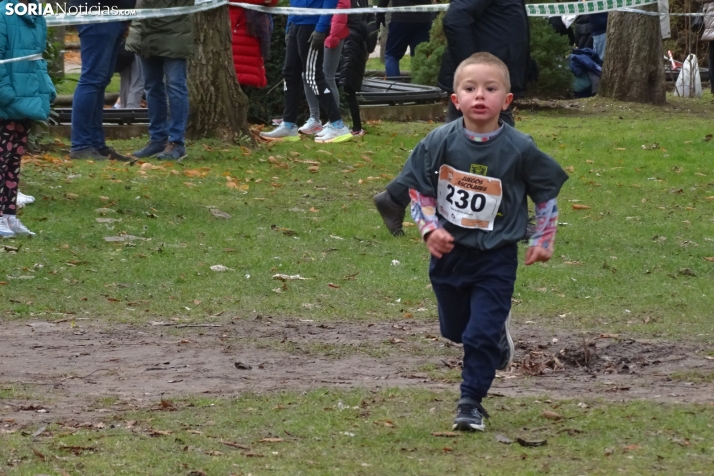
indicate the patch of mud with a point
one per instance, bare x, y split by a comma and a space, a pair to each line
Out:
52, 372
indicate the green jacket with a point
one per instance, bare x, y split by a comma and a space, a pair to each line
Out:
171, 37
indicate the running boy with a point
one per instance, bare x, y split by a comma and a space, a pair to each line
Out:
468, 183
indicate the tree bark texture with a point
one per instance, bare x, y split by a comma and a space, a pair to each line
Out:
218, 106
633, 69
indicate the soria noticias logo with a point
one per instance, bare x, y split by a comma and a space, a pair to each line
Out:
48, 9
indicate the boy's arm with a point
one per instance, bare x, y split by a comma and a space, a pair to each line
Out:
424, 212
438, 240
542, 243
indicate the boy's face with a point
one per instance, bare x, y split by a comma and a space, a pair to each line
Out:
481, 96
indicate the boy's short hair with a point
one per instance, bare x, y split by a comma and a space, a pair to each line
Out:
483, 58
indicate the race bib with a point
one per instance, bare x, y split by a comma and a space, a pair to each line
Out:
468, 200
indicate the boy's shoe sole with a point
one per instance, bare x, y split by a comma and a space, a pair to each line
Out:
334, 140
508, 349
465, 425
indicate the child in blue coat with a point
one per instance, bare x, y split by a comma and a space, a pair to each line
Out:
26, 92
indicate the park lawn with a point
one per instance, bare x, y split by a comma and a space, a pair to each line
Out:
370, 433
638, 260
69, 84
376, 64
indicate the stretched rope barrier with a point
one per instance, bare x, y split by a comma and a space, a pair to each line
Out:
533, 10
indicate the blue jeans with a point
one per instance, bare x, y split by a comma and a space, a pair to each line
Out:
473, 291
402, 35
165, 78
99, 45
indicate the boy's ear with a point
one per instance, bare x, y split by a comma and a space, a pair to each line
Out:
455, 100
507, 102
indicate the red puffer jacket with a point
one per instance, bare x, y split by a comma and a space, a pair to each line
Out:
247, 59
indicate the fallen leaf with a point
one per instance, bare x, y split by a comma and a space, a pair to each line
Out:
570, 169
242, 366
219, 214
270, 440
577, 206
551, 415
709, 258
219, 268
71, 196
313, 168
286, 277
236, 445
189, 184
334, 286
503, 439
631, 447
531, 443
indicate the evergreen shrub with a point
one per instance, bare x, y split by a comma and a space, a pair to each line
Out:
549, 50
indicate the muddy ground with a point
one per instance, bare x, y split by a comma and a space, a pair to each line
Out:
57, 372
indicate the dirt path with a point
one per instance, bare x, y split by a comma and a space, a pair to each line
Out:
59, 372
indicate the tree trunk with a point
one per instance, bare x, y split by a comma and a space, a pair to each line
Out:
218, 105
633, 69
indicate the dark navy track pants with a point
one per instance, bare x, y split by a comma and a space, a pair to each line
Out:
473, 290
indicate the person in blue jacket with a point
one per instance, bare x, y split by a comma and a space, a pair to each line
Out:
26, 92
304, 51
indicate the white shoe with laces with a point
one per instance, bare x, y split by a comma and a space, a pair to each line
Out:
311, 127
17, 227
334, 135
23, 199
5, 231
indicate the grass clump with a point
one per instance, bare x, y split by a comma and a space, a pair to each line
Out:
362, 432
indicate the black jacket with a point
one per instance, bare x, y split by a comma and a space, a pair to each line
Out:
407, 17
355, 53
499, 27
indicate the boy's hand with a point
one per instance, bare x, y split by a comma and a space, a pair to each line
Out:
439, 242
535, 254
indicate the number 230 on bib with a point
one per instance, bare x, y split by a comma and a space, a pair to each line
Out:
468, 200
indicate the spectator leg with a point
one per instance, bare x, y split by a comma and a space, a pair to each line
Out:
156, 101
177, 91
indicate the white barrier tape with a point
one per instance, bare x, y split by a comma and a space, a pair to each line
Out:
533, 10
35, 57
131, 15
536, 10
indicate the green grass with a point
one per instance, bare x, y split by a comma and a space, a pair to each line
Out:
69, 84
693, 376
634, 262
405, 64
364, 433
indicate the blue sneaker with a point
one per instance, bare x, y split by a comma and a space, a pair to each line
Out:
173, 151
151, 149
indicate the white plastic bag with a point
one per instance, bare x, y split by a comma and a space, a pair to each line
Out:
689, 83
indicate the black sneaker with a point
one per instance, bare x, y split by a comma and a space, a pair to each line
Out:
112, 154
90, 153
507, 348
151, 149
173, 151
469, 416
392, 213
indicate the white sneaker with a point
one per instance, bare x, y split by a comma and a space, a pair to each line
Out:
311, 127
333, 134
324, 129
23, 199
282, 133
17, 227
5, 231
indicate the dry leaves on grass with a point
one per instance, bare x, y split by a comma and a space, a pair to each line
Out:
577, 206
